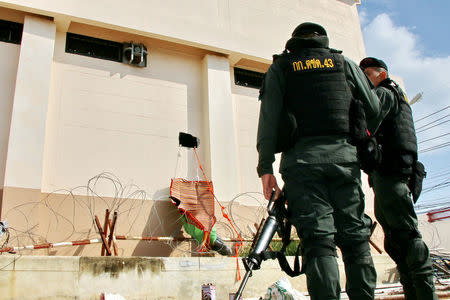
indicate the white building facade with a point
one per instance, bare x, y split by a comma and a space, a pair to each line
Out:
67, 117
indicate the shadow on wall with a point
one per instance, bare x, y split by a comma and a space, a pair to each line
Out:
348, 2
68, 215
163, 221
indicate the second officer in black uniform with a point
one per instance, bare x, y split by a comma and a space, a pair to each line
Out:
392, 184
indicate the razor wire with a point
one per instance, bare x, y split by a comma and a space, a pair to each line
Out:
68, 214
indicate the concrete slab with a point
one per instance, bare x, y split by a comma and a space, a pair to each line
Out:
40, 285
7, 262
217, 264
181, 264
142, 277
47, 263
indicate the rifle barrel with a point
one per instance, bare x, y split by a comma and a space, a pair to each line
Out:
244, 282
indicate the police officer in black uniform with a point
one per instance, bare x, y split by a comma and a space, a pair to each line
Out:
391, 182
314, 85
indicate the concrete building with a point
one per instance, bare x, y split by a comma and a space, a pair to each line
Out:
67, 117
82, 131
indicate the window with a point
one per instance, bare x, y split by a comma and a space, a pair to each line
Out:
93, 47
248, 78
10, 32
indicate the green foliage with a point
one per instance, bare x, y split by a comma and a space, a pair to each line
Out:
276, 246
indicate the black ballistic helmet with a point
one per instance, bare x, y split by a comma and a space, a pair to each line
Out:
308, 28
372, 62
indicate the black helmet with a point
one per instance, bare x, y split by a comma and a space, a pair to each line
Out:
372, 62
309, 28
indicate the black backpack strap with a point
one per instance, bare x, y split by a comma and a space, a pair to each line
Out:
285, 232
286, 267
268, 255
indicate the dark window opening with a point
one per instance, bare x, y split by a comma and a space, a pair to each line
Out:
10, 32
248, 78
93, 47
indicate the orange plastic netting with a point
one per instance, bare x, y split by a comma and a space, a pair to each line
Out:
196, 201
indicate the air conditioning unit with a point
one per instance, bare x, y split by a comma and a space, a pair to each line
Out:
134, 54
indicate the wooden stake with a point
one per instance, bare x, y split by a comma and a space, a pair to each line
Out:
102, 235
370, 240
111, 234
105, 228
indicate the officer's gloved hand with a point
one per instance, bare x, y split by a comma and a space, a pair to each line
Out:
369, 154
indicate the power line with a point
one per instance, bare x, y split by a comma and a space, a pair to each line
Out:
432, 126
433, 113
433, 174
437, 187
436, 137
433, 121
429, 186
443, 145
425, 206
433, 178
443, 168
434, 200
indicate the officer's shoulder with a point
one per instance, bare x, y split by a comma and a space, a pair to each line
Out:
277, 57
332, 50
280, 61
384, 91
396, 85
389, 85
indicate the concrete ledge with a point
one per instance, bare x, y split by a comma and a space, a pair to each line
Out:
63, 277
47, 263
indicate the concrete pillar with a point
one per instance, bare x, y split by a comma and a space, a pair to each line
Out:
219, 118
24, 161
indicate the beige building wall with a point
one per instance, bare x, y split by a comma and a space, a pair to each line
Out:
436, 234
244, 28
23, 171
9, 57
9, 60
246, 112
106, 116
220, 121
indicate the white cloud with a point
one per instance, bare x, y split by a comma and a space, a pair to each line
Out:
401, 50
363, 17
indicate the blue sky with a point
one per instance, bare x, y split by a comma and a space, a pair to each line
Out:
427, 19
411, 36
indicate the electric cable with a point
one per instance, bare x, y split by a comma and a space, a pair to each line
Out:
439, 146
433, 138
432, 122
432, 114
433, 178
436, 187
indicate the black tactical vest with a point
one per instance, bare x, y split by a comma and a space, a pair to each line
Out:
317, 93
396, 135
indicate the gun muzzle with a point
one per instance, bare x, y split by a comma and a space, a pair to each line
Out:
253, 261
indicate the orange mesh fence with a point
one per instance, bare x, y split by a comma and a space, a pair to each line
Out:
197, 202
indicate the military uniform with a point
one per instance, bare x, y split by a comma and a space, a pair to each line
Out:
321, 171
394, 208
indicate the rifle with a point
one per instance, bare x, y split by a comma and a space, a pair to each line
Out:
275, 222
